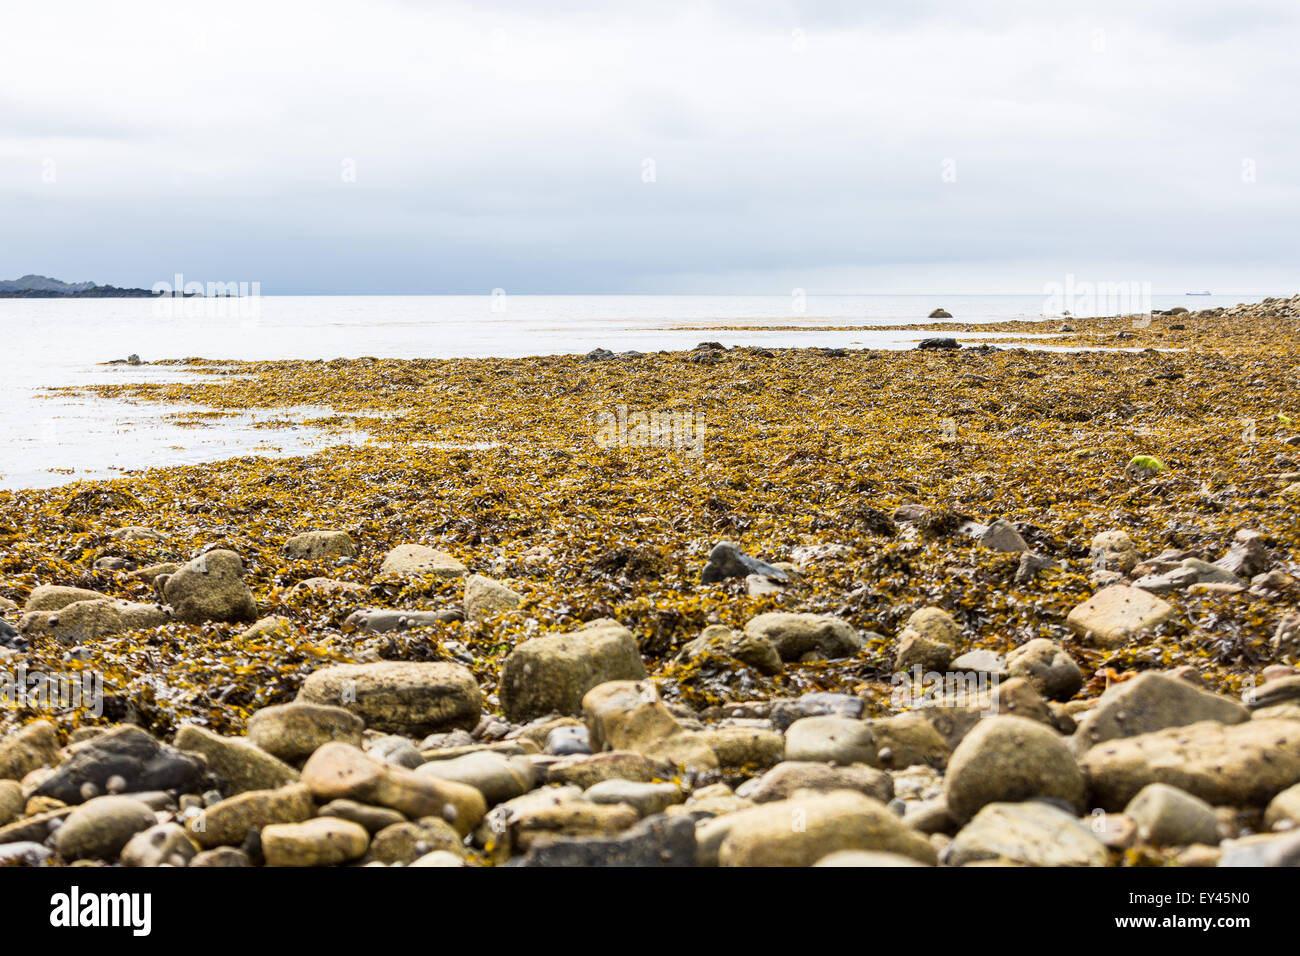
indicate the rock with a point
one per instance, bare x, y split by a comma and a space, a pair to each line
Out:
54, 597
552, 673
726, 560
568, 818
940, 314
485, 598
228, 822
938, 342
438, 858
378, 620
1262, 850
1116, 613
35, 745
100, 827
1243, 764
497, 777
127, 752
1031, 565
1276, 692
1152, 701
225, 856
76, 623
1114, 551
816, 704
797, 635
756, 586
153, 572
211, 588
1029, 834
831, 740
801, 831
373, 819
627, 715
421, 560
866, 858
399, 696
239, 763
395, 749
11, 801
24, 853
292, 732
1283, 810
908, 739
1247, 557
656, 842
165, 843
1286, 640
790, 776
1047, 667
744, 747
813, 553
1187, 574
340, 771
1009, 759
314, 545
1002, 536
405, 842
1166, 816
981, 662
755, 650
646, 798
621, 764
324, 841
568, 741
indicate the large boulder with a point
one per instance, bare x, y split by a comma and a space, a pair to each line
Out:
100, 827
35, 745
1009, 759
1047, 667
235, 760
798, 635
800, 831
293, 731
1244, 764
210, 588
1148, 702
552, 673
1167, 816
412, 698
126, 752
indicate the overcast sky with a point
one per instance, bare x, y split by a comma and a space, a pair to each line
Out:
387, 146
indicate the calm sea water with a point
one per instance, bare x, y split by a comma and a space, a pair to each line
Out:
50, 441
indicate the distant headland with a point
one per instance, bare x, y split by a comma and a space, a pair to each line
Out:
43, 287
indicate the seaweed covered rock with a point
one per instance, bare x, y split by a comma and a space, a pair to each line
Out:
314, 545
210, 588
552, 673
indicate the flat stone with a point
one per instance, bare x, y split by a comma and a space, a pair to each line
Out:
229, 821
1116, 613
831, 740
404, 697
421, 560
242, 765
1149, 702
324, 841
1029, 834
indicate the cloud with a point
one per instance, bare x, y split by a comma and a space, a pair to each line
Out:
426, 147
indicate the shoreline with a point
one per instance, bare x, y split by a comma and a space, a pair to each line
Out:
871, 480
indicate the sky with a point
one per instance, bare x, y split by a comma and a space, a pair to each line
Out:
394, 146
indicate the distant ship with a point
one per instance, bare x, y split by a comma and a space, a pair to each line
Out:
1200, 293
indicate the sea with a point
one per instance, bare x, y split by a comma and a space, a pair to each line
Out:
51, 439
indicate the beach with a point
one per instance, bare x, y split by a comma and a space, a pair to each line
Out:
634, 604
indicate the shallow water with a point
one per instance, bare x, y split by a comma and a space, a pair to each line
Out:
50, 441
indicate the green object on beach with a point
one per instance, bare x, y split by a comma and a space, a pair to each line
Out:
1148, 461
1284, 419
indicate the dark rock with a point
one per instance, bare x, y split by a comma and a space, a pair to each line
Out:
129, 753
598, 355
1031, 565
726, 560
659, 840
816, 704
940, 314
710, 347
939, 343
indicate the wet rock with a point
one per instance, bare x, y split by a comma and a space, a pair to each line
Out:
416, 559
726, 560
831, 740
1166, 816
399, 696
1009, 759
790, 776
35, 745
1029, 834
800, 831
485, 598
101, 827
128, 753
1116, 613
552, 673
239, 763
228, 822
292, 732
211, 588
939, 342
324, 841
314, 545
339, 771
797, 635
1244, 764
1152, 701
1047, 667
165, 843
